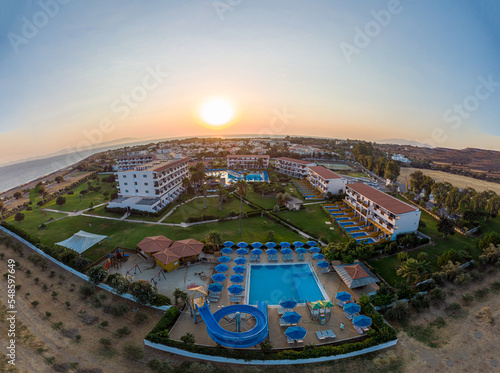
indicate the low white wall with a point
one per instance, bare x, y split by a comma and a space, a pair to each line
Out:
220, 359
72, 270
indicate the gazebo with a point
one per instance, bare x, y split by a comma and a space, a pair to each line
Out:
154, 244
188, 250
167, 259
355, 275
197, 297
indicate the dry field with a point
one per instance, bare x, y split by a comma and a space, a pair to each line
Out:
457, 180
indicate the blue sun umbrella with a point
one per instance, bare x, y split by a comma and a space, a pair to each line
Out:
229, 243
224, 259
343, 296
301, 250
242, 244
256, 251
323, 264
271, 251
314, 250
311, 243
286, 250
352, 308
242, 251
291, 317
362, 321
295, 332
215, 287
236, 289
219, 277
237, 278
270, 244
240, 260
226, 250
285, 244
239, 269
318, 256
298, 244
221, 268
256, 244
288, 303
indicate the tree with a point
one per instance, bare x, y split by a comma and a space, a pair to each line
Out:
143, 292
417, 181
260, 163
215, 238
408, 269
2, 206
204, 190
60, 200
241, 190
18, 195
120, 284
223, 196
440, 191
492, 207
453, 199
19, 217
97, 274
446, 227
478, 202
42, 189
186, 184
59, 179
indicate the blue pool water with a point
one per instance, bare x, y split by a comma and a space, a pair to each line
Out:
260, 176
272, 283
358, 235
369, 240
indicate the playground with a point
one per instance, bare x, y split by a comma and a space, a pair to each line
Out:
140, 269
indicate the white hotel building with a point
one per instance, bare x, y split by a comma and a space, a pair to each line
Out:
151, 186
247, 161
129, 161
325, 180
293, 167
388, 214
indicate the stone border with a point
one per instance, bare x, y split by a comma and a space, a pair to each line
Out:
220, 359
74, 271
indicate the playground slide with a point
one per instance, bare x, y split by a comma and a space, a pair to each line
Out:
233, 339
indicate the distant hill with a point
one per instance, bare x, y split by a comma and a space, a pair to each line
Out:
403, 142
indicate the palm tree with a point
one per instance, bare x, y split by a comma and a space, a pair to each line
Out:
260, 163
222, 196
408, 268
215, 238
241, 189
186, 184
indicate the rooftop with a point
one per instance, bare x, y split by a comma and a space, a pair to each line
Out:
247, 155
325, 173
157, 165
299, 161
388, 202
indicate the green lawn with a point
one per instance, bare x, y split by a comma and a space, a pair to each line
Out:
269, 201
352, 173
197, 208
128, 234
386, 266
73, 201
312, 219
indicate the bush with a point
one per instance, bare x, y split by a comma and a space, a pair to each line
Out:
437, 294
97, 274
143, 292
463, 279
140, 317
123, 331
133, 351
117, 310
468, 299
453, 310
481, 294
202, 368
156, 365
495, 287
86, 290
106, 342
400, 311
188, 339
420, 302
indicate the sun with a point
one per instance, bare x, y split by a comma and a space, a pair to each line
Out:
217, 112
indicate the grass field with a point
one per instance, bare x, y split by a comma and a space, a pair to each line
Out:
196, 208
386, 267
353, 174
312, 219
269, 201
456, 180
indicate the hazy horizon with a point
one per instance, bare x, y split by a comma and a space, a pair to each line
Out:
76, 73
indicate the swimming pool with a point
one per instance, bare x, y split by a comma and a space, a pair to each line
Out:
271, 283
251, 177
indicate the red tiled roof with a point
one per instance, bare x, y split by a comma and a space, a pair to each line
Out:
187, 247
382, 199
325, 173
166, 256
161, 168
247, 155
356, 271
299, 161
154, 244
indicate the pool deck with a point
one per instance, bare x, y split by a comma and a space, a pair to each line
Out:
331, 283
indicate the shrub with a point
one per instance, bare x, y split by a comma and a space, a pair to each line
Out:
143, 292
400, 311
119, 283
156, 365
123, 331
86, 290
97, 274
202, 368
437, 294
140, 317
118, 310
161, 300
133, 351
420, 302
453, 310
481, 294
439, 322
467, 298
188, 339
106, 342
463, 279
495, 287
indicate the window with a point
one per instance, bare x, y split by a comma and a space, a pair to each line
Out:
136, 191
146, 184
125, 183
126, 190
135, 176
147, 191
124, 176
144, 176
135, 183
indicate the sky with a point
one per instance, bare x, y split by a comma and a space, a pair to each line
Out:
75, 74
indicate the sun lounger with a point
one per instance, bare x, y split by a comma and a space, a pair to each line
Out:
341, 304
358, 329
325, 270
330, 333
257, 258
213, 300
299, 340
213, 295
290, 341
320, 335
252, 258
284, 323
348, 315
281, 311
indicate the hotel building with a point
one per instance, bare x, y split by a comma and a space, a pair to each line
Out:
293, 167
386, 213
130, 161
151, 186
325, 180
247, 161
